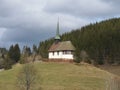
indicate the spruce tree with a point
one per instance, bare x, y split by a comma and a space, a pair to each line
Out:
16, 53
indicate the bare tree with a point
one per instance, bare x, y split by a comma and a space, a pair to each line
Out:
27, 77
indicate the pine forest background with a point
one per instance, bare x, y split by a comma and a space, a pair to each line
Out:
99, 42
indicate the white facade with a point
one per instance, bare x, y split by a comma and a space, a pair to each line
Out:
61, 55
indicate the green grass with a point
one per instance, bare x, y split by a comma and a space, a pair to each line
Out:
59, 76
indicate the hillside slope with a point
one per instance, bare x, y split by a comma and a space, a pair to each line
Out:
112, 69
60, 76
101, 41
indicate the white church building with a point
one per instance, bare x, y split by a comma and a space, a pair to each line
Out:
61, 50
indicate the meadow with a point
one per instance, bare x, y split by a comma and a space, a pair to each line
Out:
59, 76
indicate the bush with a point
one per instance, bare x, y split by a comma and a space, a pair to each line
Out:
87, 61
100, 61
1, 63
77, 59
7, 64
22, 59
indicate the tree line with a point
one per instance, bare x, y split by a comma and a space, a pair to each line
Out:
97, 43
27, 75
14, 55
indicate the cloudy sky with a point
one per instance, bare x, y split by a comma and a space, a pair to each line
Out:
28, 22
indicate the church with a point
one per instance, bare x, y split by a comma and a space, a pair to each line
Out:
61, 50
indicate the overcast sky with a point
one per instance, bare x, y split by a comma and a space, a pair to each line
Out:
28, 22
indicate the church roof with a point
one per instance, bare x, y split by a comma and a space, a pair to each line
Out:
57, 37
61, 46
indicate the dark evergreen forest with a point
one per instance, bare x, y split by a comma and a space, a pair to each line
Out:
100, 41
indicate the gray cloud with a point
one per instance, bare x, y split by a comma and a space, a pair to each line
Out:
84, 8
30, 21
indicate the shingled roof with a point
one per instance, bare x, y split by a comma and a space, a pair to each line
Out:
61, 46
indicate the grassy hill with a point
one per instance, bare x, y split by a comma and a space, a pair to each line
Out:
100, 40
114, 69
59, 76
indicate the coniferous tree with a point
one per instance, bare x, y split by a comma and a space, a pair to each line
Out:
35, 51
17, 53
26, 51
101, 41
7, 63
14, 53
11, 52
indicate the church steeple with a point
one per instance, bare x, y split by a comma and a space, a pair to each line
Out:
57, 37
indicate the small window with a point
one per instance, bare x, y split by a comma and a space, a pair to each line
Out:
57, 52
67, 52
64, 52
53, 53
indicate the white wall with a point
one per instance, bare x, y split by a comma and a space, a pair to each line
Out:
60, 55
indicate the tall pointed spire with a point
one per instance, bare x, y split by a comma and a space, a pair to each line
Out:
57, 37
57, 33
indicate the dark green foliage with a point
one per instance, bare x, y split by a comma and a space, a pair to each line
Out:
3, 51
7, 63
100, 61
35, 49
34, 52
44, 46
22, 59
14, 53
26, 51
101, 41
1, 63
77, 57
11, 52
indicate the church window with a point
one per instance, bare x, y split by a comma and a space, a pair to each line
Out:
53, 53
57, 52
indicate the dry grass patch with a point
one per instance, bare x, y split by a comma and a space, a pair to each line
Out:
59, 76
